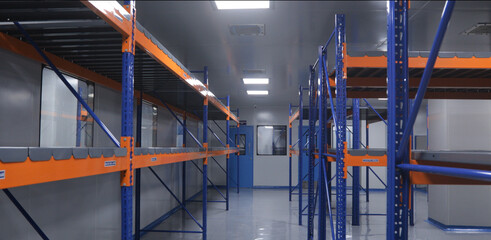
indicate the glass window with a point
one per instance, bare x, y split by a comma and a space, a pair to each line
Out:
64, 121
271, 140
240, 139
149, 125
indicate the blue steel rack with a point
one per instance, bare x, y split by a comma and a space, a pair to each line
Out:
132, 159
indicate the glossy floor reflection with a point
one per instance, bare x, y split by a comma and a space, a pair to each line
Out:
266, 214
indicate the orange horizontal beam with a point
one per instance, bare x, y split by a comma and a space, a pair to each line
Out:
294, 152
420, 62
142, 161
33, 172
27, 50
429, 178
414, 82
115, 15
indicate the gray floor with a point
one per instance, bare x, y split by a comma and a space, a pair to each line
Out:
266, 214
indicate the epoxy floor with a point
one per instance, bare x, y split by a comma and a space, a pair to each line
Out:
266, 214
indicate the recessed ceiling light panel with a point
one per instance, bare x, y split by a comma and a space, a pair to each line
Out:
227, 5
257, 92
256, 80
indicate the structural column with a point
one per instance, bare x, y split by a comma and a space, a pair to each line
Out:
184, 121
312, 120
289, 154
340, 127
321, 145
228, 146
300, 155
397, 113
127, 141
356, 170
205, 160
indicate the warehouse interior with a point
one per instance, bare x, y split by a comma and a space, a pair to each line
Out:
245, 120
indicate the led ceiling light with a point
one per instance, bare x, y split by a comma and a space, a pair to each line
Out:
256, 80
226, 5
257, 92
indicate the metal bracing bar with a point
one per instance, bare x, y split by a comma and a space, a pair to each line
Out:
378, 177
181, 123
25, 214
373, 109
359, 185
340, 127
67, 84
328, 197
305, 176
303, 135
425, 79
175, 197
209, 180
397, 111
222, 131
216, 136
333, 114
219, 165
300, 154
475, 174
355, 220
359, 142
324, 48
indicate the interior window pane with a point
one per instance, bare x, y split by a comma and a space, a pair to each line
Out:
64, 122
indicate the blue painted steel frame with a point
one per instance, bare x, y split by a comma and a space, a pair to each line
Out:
397, 106
227, 166
356, 170
340, 127
322, 148
300, 154
289, 154
25, 214
205, 160
312, 120
425, 79
127, 95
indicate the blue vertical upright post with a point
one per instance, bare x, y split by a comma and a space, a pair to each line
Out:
79, 120
184, 123
228, 146
128, 50
300, 155
367, 174
289, 154
205, 160
321, 145
138, 170
356, 170
237, 141
312, 120
397, 112
340, 127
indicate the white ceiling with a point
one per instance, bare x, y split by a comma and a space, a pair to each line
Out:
198, 35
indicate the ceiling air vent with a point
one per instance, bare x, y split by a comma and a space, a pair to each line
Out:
479, 29
248, 72
247, 29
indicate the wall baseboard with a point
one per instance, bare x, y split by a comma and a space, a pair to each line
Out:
458, 228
